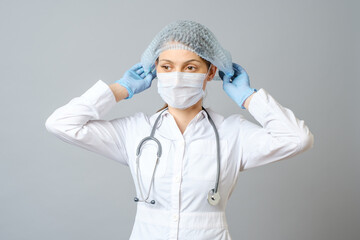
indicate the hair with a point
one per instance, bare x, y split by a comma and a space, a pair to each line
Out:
166, 105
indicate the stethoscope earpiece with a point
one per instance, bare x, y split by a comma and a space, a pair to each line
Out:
137, 200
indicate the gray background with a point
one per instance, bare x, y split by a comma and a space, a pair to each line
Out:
304, 53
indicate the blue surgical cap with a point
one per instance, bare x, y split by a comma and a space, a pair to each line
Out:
192, 36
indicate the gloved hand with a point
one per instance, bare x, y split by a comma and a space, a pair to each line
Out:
239, 88
135, 80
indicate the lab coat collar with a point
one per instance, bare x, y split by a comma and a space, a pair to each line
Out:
170, 134
217, 118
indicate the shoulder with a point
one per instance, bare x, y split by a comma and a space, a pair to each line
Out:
220, 121
233, 125
138, 119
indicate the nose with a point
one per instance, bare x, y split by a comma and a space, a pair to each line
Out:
177, 77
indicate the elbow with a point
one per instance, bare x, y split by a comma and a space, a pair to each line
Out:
56, 127
51, 125
65, 130
306, 140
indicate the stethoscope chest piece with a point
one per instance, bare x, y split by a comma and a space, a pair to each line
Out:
213, 197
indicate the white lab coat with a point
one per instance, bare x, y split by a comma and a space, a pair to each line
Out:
187, 169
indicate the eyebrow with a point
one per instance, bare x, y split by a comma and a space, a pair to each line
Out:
167, 60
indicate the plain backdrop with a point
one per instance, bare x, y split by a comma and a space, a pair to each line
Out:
304, 53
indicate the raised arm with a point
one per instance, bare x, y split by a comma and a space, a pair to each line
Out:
79, 122
281, 134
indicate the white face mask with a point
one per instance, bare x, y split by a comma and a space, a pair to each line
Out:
181, 89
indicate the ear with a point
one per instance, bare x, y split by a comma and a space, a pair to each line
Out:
212, 72
156, 63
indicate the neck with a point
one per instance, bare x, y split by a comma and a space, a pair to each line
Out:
184, 116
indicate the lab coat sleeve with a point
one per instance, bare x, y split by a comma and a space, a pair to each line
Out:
79, 123
280, 136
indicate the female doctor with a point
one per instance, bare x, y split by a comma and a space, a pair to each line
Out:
185, 160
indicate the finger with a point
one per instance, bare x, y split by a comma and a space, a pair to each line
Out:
149, 69
221, 74
136, 67
152, 67
239, 68
149, 78
142, 75
154, 73
140, 71
226, 79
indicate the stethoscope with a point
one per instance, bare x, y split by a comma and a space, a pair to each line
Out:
213, 195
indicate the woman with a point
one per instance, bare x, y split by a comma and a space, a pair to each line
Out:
186, 171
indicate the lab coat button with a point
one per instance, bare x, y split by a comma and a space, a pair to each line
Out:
175, 217
177, 179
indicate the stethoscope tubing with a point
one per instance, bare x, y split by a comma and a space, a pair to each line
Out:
217, 151
213, 195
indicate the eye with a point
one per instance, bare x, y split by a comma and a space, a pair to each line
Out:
191, 68
165, 67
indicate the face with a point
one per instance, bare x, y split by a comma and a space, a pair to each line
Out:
180, 60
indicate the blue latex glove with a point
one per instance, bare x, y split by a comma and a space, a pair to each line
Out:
135, 80
238, 86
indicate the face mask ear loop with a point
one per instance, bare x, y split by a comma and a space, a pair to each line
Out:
205, 92
208, 71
